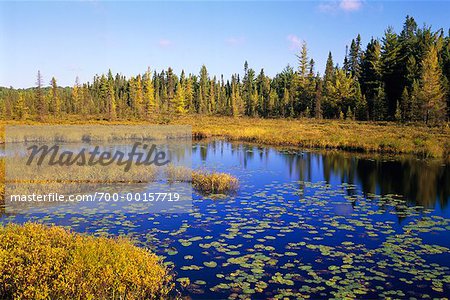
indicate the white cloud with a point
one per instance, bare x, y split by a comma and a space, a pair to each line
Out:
165, 43
294, 42
235, 41
333, 6
350, 5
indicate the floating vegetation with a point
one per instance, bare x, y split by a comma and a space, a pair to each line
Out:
278, 237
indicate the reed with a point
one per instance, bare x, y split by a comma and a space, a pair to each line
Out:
214, 182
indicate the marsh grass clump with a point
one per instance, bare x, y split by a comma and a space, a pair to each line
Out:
40, 262
177, 173
214, 182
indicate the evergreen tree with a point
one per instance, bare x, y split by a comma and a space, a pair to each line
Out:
111, 102
432, 93
379, 105
329, 70
416, 105
371, 78
361, 110
303, 64
149, 94
392, 75
203, 91
406, 106
318, 100
40, 100
76, 96
56, 102
355, 58
180, 104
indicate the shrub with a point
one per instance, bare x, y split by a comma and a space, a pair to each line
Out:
214, 183
40, 262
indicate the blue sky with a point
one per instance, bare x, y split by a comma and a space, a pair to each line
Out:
69, 39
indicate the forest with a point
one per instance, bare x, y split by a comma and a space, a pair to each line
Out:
401, 77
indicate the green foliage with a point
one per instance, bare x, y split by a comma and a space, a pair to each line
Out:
399, 68
40, 262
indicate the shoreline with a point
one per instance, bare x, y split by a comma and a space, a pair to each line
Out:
350, 136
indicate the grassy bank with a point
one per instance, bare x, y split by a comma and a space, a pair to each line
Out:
330, 134
381, 137
40, 262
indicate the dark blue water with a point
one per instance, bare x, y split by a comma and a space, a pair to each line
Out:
303, 224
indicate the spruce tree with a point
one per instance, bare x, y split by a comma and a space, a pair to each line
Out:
149, 94
56, 101
371, 79
379, 105
40, 99
392, 75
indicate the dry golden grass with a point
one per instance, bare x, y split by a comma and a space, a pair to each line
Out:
214, 182
39, 262
328, 134
205, 182
381, 137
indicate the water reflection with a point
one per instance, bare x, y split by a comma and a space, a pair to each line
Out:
419, 182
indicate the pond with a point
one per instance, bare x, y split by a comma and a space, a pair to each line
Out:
302, 224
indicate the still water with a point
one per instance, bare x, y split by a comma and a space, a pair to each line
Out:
303, 224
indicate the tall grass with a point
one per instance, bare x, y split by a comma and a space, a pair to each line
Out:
214, 182
205, 182
39, 262
381, 137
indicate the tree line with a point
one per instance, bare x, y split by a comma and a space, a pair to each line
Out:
402, 76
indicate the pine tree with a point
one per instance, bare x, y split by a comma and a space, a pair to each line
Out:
329, 70
355, 58
40, 100
392, 75
149, 94
189, 95
203, 91
248, 92
432, 93
303, 64
406, 106
111, 102
56, 101
349, 115
170, 89
361, 110
371, 79
379, 105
